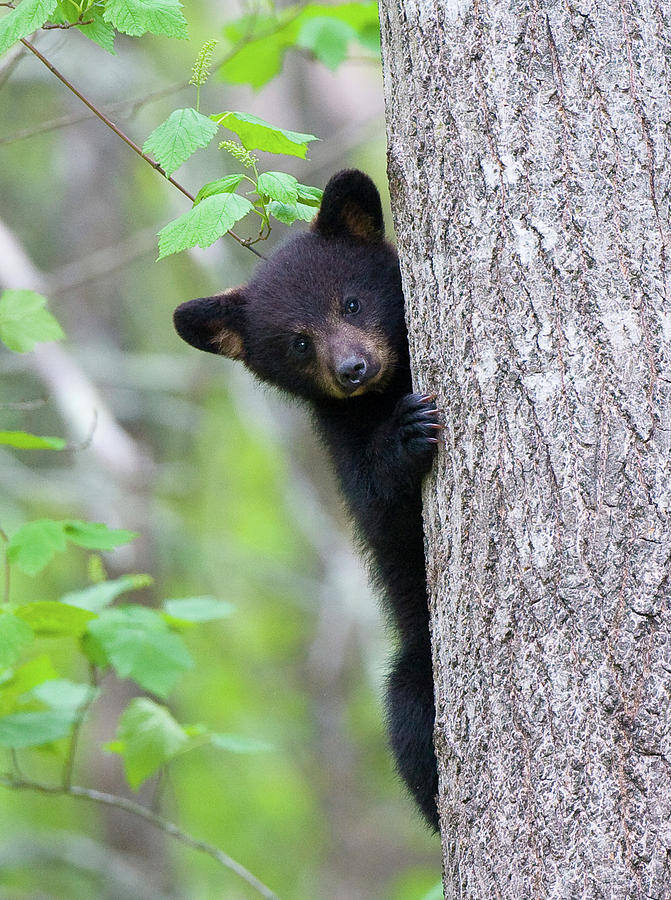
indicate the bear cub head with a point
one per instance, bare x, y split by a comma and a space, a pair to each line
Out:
323, 317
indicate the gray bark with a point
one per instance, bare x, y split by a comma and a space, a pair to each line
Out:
528, 163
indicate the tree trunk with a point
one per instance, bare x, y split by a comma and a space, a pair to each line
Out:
528, 155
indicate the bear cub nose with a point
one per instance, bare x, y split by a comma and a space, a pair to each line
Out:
352, 371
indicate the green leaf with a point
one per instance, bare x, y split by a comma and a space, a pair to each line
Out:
28, 16
259, 42
203, 224
35, 544
96, 535
225, 185
182, 133
287, 213
25, 441
96, 597
236, 743
278, 186
33, 729
256, 134
49, 618
312, 196
198, 609
139, 645
257, 61
98, 29
61, 693
24, 321
15, 636
23, 679
327, 38
147, 738
137, 17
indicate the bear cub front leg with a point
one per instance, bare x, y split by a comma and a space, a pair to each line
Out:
407, 446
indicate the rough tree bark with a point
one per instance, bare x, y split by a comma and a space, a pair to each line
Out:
529, 147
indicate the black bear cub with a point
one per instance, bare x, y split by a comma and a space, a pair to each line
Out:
323, 320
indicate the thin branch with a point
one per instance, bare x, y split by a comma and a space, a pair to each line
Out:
136, 809
74, 119
69, 765
65, 25
124, 137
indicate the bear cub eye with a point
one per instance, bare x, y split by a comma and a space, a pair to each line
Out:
352, 306
301, 344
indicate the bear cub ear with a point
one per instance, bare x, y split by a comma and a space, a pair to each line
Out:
214, 324
350, 208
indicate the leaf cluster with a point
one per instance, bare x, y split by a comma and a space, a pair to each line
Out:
259, 42
217, 207
39, 707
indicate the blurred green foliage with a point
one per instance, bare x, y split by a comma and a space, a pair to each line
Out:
286, 768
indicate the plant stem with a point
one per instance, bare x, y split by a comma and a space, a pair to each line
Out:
136, 809
124, 137
69, 764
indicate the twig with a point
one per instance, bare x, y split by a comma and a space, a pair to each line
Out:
69, 765
65, 25
136, 809
124, 137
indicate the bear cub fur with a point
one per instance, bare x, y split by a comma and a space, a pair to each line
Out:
322, 319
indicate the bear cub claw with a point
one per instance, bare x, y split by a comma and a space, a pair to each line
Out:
418, 426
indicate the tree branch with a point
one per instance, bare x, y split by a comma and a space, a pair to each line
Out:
136, 809
124, 137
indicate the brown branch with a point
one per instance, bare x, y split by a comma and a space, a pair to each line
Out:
136, 809
124, 137
65, 25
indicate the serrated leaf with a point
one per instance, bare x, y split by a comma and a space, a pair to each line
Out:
33, 729
22, 440
256, 134
198, 609
98, 29
225, 185
147, 737
28, 16
24, 321
35, 544
15, 636
237, 743
139, 645
137, 17
176, 139
96, 597
96, 535
278, 186
49, 617
203, 224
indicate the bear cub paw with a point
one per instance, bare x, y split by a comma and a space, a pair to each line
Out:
419, 425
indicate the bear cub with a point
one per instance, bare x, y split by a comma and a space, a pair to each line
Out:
322, 319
